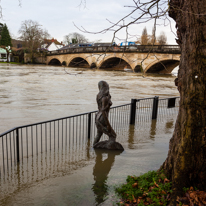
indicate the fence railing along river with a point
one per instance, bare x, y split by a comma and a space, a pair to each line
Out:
73, 133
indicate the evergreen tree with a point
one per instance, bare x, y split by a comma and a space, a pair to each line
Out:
5, 37
144, 37
1, 27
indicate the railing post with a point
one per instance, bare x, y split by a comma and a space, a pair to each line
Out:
133, 111
17, 144
155, 107
171, 102
89, 125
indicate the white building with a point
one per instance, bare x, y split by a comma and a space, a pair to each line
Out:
3, 55
51, 45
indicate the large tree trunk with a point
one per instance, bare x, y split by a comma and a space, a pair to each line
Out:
186, 161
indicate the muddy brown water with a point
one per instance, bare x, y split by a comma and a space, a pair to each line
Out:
79, 175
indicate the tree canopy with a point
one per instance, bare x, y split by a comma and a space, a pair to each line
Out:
147, 39
75, 38
1, 27
5, 37
33, 35
144, 37
162, 39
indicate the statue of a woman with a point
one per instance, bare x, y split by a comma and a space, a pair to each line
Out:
101, 119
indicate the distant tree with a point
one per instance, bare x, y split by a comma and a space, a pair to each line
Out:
74, 41
5, 37
5, 41
67, 39
144, 37
33, 36
1, 27
162, 39
153, 40
74, 38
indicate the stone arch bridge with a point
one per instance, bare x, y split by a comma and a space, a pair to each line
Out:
150, 59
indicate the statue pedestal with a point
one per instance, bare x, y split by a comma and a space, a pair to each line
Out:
111, 145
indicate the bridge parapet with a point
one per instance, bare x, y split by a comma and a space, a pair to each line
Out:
171, 49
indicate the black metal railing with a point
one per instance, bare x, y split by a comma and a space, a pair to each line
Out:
173, 49
73, 132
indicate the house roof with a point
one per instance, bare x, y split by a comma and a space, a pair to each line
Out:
17, 43
48, 44
49, 41
3, 51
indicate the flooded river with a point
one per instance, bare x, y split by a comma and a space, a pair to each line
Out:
79, 175
32, 94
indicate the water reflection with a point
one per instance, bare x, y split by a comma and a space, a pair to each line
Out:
131, 137
100, 171
168, 126
153, 128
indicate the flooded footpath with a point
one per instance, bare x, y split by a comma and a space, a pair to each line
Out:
76, 174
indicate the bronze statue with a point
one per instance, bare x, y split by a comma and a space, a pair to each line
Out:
101, 119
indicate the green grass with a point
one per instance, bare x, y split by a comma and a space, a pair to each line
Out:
151, 188
10, 63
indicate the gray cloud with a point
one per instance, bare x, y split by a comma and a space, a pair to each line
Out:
58, 17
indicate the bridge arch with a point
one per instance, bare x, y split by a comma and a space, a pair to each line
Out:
93, 65
163, 66
79, 62
138, 68
64, 63
55, 61
119, 61
116, 63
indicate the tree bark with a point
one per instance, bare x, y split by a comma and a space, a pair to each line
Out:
186, 161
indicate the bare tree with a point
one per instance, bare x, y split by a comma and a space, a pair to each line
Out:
186, 161
153, 40
162, 39
75, 38
33, 35
67, 39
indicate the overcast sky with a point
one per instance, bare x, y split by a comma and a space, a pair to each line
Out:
59, 16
